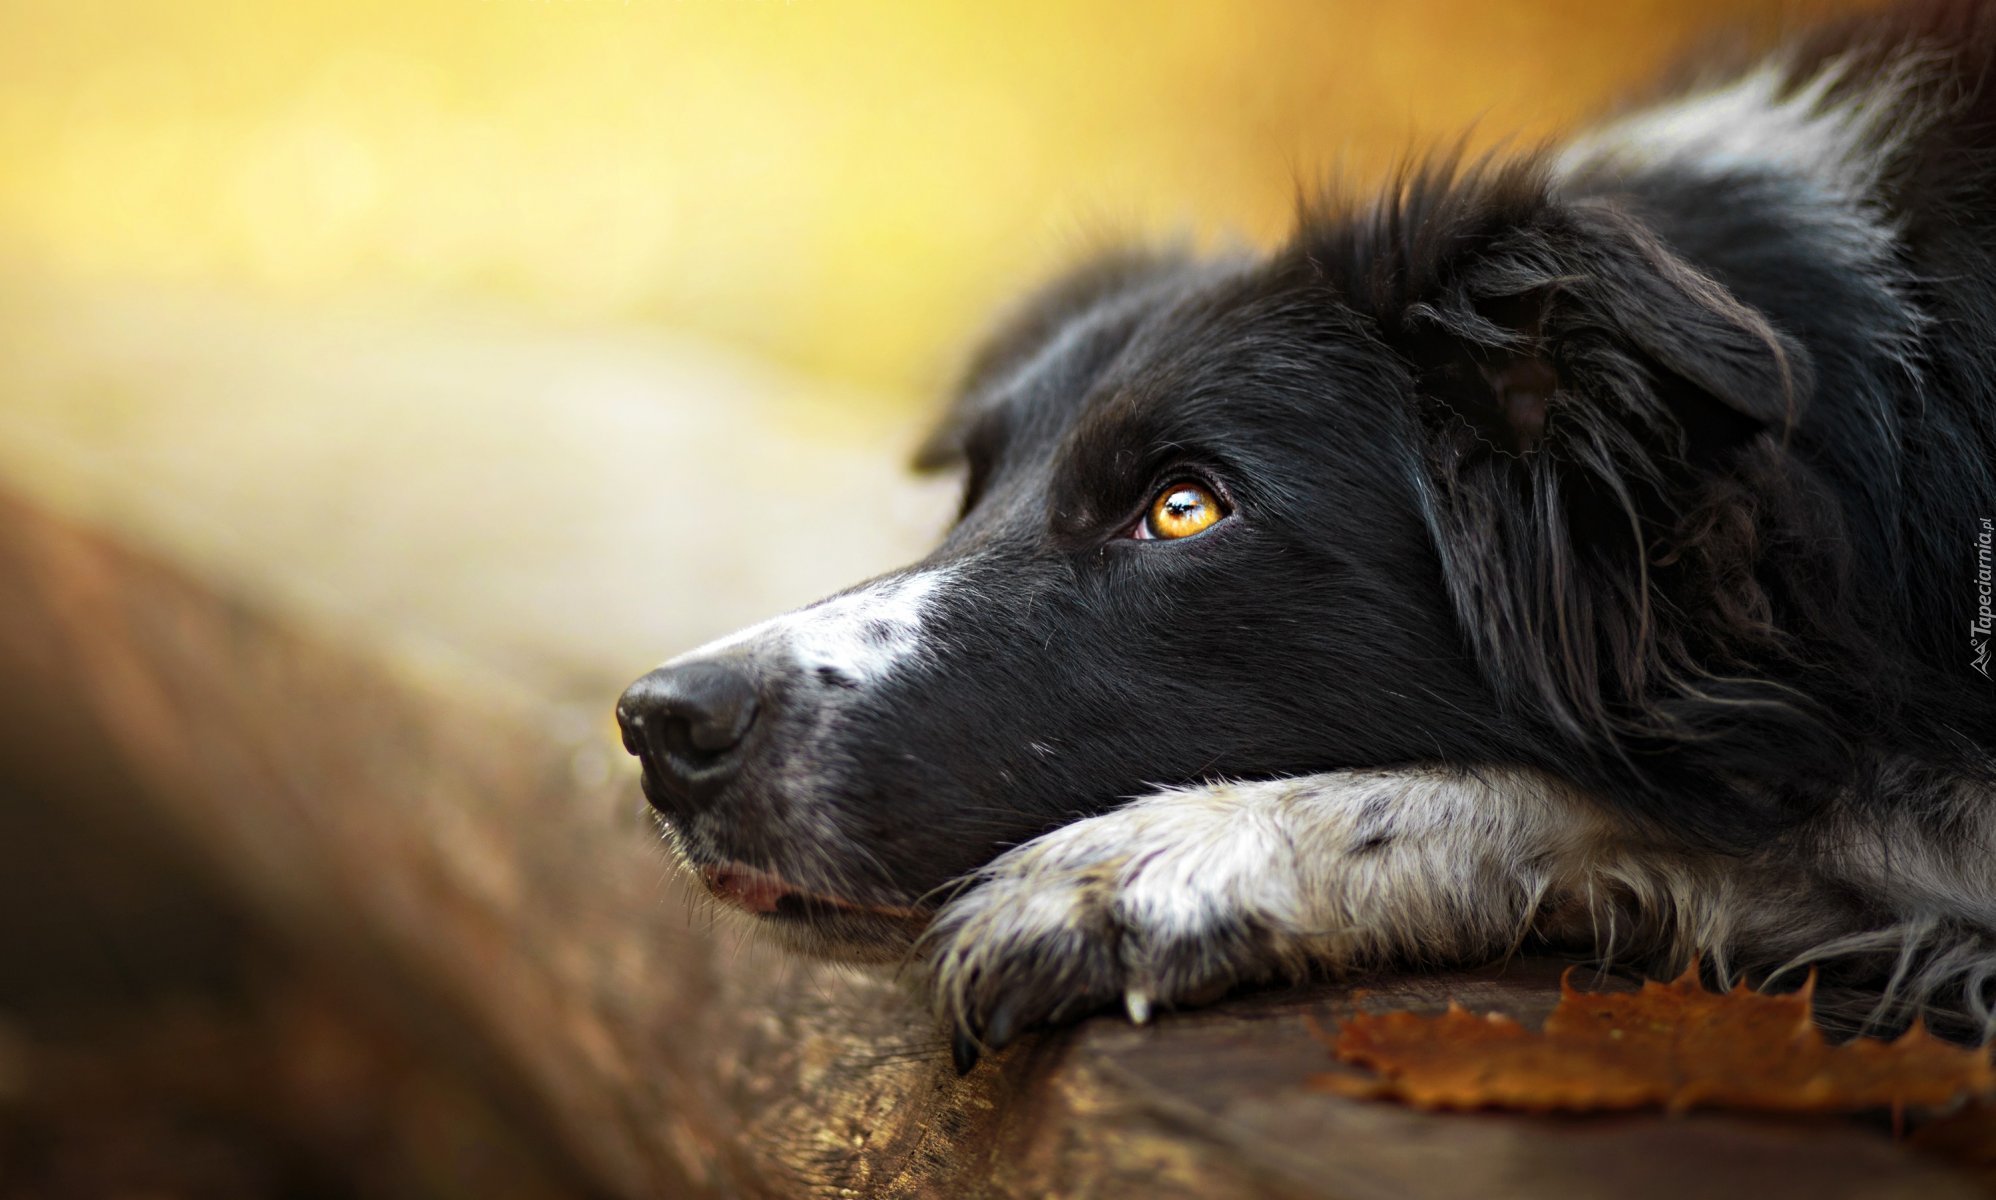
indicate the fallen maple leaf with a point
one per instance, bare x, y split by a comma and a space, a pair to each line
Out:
1674, 1045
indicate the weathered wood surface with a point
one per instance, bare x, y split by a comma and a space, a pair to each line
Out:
359, 648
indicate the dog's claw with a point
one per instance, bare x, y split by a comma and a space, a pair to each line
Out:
1136, 1002
963, 1050
1002, 1027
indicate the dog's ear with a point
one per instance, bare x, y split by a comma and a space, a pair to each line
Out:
1027, 332
1606, 457
1578, 326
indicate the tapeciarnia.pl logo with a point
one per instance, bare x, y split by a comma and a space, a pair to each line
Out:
1980, 629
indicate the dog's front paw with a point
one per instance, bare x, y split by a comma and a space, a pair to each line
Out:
1134, 907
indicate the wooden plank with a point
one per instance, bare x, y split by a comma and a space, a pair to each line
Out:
450, 826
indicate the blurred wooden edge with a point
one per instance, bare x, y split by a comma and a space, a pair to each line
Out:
459, 849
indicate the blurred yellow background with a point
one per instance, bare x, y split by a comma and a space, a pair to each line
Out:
843, 186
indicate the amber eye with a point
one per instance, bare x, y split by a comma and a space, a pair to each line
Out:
1180, 511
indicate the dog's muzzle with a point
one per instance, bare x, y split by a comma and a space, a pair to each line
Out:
697, 727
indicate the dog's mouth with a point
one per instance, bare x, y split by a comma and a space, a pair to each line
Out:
767, 894
815, 922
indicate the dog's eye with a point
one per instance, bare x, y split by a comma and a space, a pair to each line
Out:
1180, 511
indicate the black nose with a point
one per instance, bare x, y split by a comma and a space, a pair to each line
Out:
688, 724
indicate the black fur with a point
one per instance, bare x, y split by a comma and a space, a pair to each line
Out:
1664, 482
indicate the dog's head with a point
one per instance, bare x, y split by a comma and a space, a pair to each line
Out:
1238, 518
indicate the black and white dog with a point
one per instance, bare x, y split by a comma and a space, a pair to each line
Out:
1590, 548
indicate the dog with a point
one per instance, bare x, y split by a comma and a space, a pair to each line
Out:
1587, 547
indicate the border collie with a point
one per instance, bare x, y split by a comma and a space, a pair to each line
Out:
1588, 548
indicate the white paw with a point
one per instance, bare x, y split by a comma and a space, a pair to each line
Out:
1167, 902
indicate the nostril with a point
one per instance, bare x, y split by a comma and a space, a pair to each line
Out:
720, 729
695, 742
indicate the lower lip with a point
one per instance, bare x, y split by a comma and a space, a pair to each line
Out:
745, 887
757, 891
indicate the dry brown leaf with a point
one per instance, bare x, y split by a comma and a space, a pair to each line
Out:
1673, 1045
